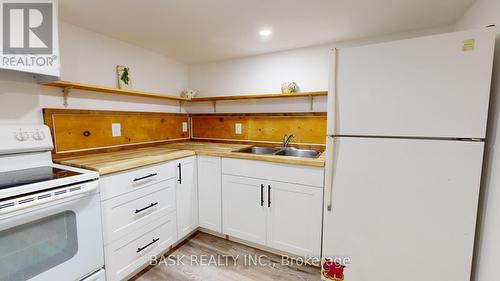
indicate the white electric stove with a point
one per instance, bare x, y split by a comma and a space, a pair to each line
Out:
50, 218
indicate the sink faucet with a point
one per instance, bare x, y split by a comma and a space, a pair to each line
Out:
287, 139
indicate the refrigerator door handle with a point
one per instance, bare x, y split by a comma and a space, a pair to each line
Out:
332, 119
329, 171
332, 93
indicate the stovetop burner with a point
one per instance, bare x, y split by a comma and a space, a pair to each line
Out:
15, 178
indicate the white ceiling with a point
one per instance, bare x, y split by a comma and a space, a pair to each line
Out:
195, 31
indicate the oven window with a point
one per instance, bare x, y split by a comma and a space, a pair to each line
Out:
35, 247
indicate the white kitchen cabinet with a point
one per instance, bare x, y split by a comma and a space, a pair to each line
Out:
244, 208
138, 216
294, 218
120, 183
131, 211
210, 192
127, 255
276, 205
187, 196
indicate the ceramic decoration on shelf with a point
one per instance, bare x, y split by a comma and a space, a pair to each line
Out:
189, 93
123, 74
288, 88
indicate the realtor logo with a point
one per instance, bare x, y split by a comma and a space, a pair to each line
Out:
27, 28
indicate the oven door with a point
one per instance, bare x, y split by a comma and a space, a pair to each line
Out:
58, 240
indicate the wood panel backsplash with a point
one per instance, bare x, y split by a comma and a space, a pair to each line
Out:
308, 128
82, 130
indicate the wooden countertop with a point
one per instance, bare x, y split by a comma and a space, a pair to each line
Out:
111, 162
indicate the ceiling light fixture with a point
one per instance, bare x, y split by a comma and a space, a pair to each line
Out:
265, 33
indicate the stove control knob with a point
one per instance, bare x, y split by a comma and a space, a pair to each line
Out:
21, 136
38, 136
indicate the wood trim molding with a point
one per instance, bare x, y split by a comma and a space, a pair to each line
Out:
260, 96
278, 114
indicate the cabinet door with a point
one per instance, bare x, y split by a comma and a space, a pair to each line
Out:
294, 218
210, 193
244, 209
187, 196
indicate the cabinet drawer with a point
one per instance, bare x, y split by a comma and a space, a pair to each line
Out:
305, 175
126, 256
131, 211
131, 180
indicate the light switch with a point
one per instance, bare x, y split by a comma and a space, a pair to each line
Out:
184, 126
237, 128
116, 129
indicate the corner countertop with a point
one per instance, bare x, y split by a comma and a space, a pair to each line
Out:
112, 162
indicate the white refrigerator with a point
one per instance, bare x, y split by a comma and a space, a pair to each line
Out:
406, 130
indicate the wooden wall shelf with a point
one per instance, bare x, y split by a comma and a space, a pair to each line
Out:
73, 85
68, 86
261, 96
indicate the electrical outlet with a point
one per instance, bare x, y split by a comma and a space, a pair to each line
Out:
184, 126
237, 128
116, 129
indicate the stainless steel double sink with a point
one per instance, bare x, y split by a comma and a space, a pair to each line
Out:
282, 151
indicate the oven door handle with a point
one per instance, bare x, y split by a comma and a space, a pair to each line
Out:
17, 207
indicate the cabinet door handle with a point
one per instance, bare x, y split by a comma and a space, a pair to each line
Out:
262, 195
268, 196
180, 173
145, 208
145, 177
149, 244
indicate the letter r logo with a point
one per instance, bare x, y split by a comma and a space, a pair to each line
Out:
27, 28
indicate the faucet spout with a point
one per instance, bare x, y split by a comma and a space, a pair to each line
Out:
287, 139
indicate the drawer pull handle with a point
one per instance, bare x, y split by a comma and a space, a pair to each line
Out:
145, 208
269, 196
180, 173
150, 243
145, 177
262, 195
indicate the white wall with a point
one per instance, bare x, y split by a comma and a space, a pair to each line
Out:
265, 73
487, 260
89, 57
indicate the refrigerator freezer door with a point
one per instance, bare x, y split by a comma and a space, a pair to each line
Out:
435, 86
404, 209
